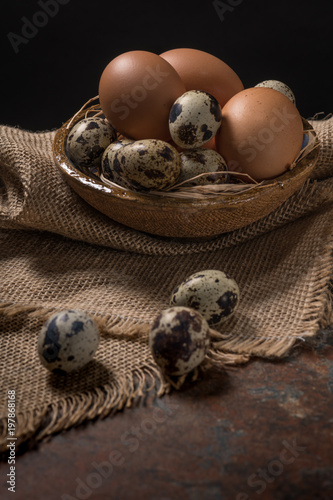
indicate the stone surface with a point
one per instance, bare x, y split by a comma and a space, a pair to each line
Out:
259, 431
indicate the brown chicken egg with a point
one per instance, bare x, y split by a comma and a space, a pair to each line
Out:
210, 144
200, 70
136, 92
261, 133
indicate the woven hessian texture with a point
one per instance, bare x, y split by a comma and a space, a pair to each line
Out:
58, 252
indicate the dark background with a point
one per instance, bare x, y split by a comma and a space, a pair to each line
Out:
59, 67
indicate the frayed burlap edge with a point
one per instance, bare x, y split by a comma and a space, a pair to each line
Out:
100, 402
38, 423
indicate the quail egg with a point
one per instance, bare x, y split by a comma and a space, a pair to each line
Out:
144, 165
87, 141
67, 341
213, 293
280, 87
108, 157
194, 119
199, 161
179, 340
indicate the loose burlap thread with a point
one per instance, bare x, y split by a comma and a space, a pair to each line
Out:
58, 252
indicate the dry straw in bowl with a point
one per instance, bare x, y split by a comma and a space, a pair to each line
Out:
184, 212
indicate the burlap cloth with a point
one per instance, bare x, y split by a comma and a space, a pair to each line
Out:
58, 252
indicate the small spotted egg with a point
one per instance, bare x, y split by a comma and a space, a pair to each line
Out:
212, 293
145, 165
67, 341
199, 161
280, 87
87, 141
194, 119
179, 340
108, 157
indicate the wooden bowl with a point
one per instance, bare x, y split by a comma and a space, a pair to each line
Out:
177, 217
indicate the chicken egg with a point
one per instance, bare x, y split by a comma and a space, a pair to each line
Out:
200, 70
261, 133
211, 144
136, 92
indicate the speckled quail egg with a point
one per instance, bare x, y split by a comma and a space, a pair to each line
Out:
199, 161
194, 119
145, 165
213, 293
67, 341
87, 141
179, 339
280, 87
108, 157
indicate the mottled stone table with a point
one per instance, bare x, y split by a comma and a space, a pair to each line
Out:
260, 431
